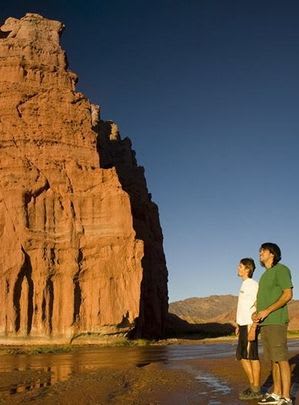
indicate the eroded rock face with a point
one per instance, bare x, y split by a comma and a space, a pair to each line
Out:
81, 244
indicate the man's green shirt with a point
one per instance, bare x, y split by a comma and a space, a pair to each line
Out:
271, 285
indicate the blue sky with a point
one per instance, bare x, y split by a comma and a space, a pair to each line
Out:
208, 93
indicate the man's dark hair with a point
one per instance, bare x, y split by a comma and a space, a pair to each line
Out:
249, 264
274, 249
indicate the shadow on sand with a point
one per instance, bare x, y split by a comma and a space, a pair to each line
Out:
294, 363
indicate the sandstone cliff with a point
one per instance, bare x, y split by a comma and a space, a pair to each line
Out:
81, 243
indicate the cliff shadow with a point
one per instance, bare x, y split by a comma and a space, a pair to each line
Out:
23, 297
118, 153
179, 328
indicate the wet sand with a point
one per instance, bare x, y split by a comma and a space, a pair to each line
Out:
197, 381
227, 373
146, 385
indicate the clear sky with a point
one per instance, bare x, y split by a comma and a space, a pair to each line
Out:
208, 92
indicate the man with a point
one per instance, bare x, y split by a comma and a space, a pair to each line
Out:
247, 351
275, 291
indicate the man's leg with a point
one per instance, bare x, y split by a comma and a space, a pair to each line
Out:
246, 364
285, 375
277, 388
243, 352
256, 374
281, 368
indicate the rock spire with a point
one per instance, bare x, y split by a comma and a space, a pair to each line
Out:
81, 243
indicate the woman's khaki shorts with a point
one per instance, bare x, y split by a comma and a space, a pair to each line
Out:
274, 339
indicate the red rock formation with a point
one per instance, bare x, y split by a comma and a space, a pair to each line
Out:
81, 244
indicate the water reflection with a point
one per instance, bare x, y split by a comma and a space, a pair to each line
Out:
51, 368
62, 364
18, 388
216, 385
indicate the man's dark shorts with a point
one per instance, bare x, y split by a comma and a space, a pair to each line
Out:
274, 339
246, 350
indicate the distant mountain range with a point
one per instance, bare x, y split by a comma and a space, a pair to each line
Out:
217, 309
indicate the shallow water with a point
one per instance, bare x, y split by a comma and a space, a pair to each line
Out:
96, 357
59, 366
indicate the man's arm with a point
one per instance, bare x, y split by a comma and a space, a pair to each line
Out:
252, 331
285, 297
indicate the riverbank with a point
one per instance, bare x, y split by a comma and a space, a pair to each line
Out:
192, 382
141, 375
37, 347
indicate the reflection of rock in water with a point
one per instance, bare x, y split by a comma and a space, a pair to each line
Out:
38, 383
60, 372
82, 242
29, 373
45, 377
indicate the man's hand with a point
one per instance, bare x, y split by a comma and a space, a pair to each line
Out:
251, 336
254, 317
237, 331
260, 316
